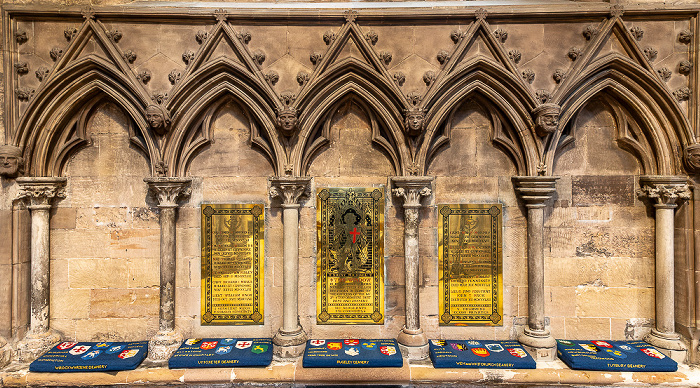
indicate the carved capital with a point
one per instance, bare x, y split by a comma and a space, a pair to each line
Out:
41, 191
535, 191
166, 191
290, 189
411, 189
664, 191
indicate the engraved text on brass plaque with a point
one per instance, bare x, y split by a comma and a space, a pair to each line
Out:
232, 264
350, 271
471, 265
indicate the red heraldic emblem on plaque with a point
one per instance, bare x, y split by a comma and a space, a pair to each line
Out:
317, 342
517, 352
128, 353
481, 352
351, 342
243, 344
79, 350
651, 352
602, 344
208, 345
334, 346
388, 350
66, 345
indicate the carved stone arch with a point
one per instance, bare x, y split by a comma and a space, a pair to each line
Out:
199, 92
662, 123
500, 90
321, 135
43, 126
386, 108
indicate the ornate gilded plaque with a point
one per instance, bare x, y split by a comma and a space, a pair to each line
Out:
350, 270
471, 265
232, 264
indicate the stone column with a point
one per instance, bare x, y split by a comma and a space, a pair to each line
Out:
41, 192
665, 193
290, 339
166, 192
411, 190
535, 192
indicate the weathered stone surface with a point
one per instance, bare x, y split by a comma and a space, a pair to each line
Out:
603, 190
120, 303
595, 301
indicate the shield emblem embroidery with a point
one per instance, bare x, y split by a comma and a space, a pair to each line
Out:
317, 342
243, 344
351, 342
589, 347
66, 345
101, 345
481, 352
473, 343
334, 346
651, 352
438, 342
352, 352
626, 348
388, 350
369, 345
223, 350
616, 353
79, 350
192, 341
208, 345
566, 343
517, 352
495, 347
458, 347
115, 349
128, 353
259, 349
227, 341
91, 355
602, 344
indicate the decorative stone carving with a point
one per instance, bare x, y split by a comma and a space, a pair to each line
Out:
302, 78
501, 35
414, 120
543, 96
115, 35
24, 93
287, 119
637, 32
385, 56
400, 78
289, 191
558, 75
161, 169
456, 36
55, 53
691, 156
685, 67
328, 37
617, 11
574, 53
664, 73
589, 32
685, 36
129, 56
174, 76
514, 56
546, 117
443, 56
315, 58
272, 77
372, 37
480, 14
88, 13
429, 77
245, 36
201, 36
21, 68
220, 15
158, 119
682, 94
42, 73
664, 194
188, 57
650, 53
144, 76
159, 98
21, 37
11, 161
350, 15
70, 33
168, 191
528, 75
259, 57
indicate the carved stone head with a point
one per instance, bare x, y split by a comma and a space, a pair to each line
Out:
287, 121
692, 157
414, 121
546, 119
11, 161
158, 118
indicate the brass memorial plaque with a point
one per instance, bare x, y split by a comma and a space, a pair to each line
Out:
350, 270
232, 264
471, 265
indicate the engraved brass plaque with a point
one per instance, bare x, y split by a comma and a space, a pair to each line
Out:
233, 247
350, 269
471, 265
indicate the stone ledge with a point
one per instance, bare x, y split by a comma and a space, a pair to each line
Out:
548, 374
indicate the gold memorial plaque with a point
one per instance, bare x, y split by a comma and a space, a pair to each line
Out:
232, 264
471, 265
350, 270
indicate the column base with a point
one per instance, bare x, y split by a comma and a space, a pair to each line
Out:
413, 344
540, 344
163, 345
34, 345
669, 344
5, 353
289, 344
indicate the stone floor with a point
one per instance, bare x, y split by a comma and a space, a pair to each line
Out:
292, 374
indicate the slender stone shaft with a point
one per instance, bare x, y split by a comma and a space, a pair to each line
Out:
412, 267
290, 320
167, 268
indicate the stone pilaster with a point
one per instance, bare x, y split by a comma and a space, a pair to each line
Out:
535, 192
665, 193
290, 339
410, 190
166, 192
41, 193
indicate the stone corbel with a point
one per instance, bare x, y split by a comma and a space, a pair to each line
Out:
290, 338
411, 190
167, 191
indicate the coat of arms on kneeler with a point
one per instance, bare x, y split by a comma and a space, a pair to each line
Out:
91, 357
352, 353
222, 352
626, 356
480, 354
